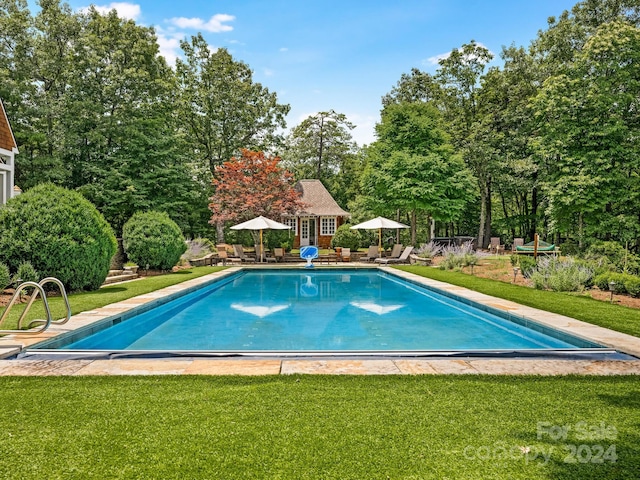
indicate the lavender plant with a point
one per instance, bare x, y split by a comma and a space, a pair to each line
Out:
564, 275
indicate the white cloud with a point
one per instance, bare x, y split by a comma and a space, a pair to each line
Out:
130, 11
169, 47
268, 72
215, 23
284, 49
435, 60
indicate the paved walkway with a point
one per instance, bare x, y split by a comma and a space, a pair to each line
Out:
11, 345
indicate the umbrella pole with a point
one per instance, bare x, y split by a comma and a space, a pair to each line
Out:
261, 248
380, 241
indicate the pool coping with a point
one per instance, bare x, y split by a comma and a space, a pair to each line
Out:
12, 344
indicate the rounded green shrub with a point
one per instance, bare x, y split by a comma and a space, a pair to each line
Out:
26, 273
153, 240
61, 233
346, 238
632, 285
5, 277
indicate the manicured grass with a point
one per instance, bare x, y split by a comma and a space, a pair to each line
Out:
309, 427
615, 317
83, 301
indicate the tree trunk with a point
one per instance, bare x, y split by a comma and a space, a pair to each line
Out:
219, 232
484, 230
413, 227
534, 207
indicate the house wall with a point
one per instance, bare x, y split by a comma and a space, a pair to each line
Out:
6, 176
324, 241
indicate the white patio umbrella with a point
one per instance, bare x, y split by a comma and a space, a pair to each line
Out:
261, 223
379, 223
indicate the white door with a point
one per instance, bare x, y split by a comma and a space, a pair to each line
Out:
304, 231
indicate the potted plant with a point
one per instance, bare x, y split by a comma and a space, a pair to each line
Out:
131, 267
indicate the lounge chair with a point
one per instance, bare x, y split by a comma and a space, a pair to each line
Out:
396, 251
372, 254
238, 250
403, 258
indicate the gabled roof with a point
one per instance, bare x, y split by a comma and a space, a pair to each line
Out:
7, 140
318, 201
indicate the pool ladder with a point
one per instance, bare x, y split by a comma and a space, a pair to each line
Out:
38, 289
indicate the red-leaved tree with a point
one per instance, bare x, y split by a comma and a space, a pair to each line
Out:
252, 185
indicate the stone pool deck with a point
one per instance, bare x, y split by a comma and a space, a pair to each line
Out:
12, 344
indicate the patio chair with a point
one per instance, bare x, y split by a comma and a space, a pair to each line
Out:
403, 258
278, 254
372, 254
346, 254
517, 242
267, 257
238, 250
495, 247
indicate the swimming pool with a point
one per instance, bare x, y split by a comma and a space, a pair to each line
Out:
317, 311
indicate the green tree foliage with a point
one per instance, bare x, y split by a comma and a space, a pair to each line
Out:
152, 240
60, 233
589, 125
412, 167
322, 147
93, 107
221, 108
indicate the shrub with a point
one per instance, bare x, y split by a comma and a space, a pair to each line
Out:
527, 265
347, 238
632, 285
25, 273
614, 254
602, 281
153, 240
5, 277
61, 233
561, 275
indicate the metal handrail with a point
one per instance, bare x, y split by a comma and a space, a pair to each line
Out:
63, 292
38, 290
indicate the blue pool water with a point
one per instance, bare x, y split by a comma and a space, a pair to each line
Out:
331, 310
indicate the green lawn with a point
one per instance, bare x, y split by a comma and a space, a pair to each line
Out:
615, 317
310, 427
84, 301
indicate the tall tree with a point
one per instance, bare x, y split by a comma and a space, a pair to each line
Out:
459, 75
589, 126
121, 144
322, 147
412, 166
223, 110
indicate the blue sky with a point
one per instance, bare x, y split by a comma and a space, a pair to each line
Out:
342, 55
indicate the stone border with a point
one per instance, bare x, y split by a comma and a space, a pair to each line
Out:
11, 345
